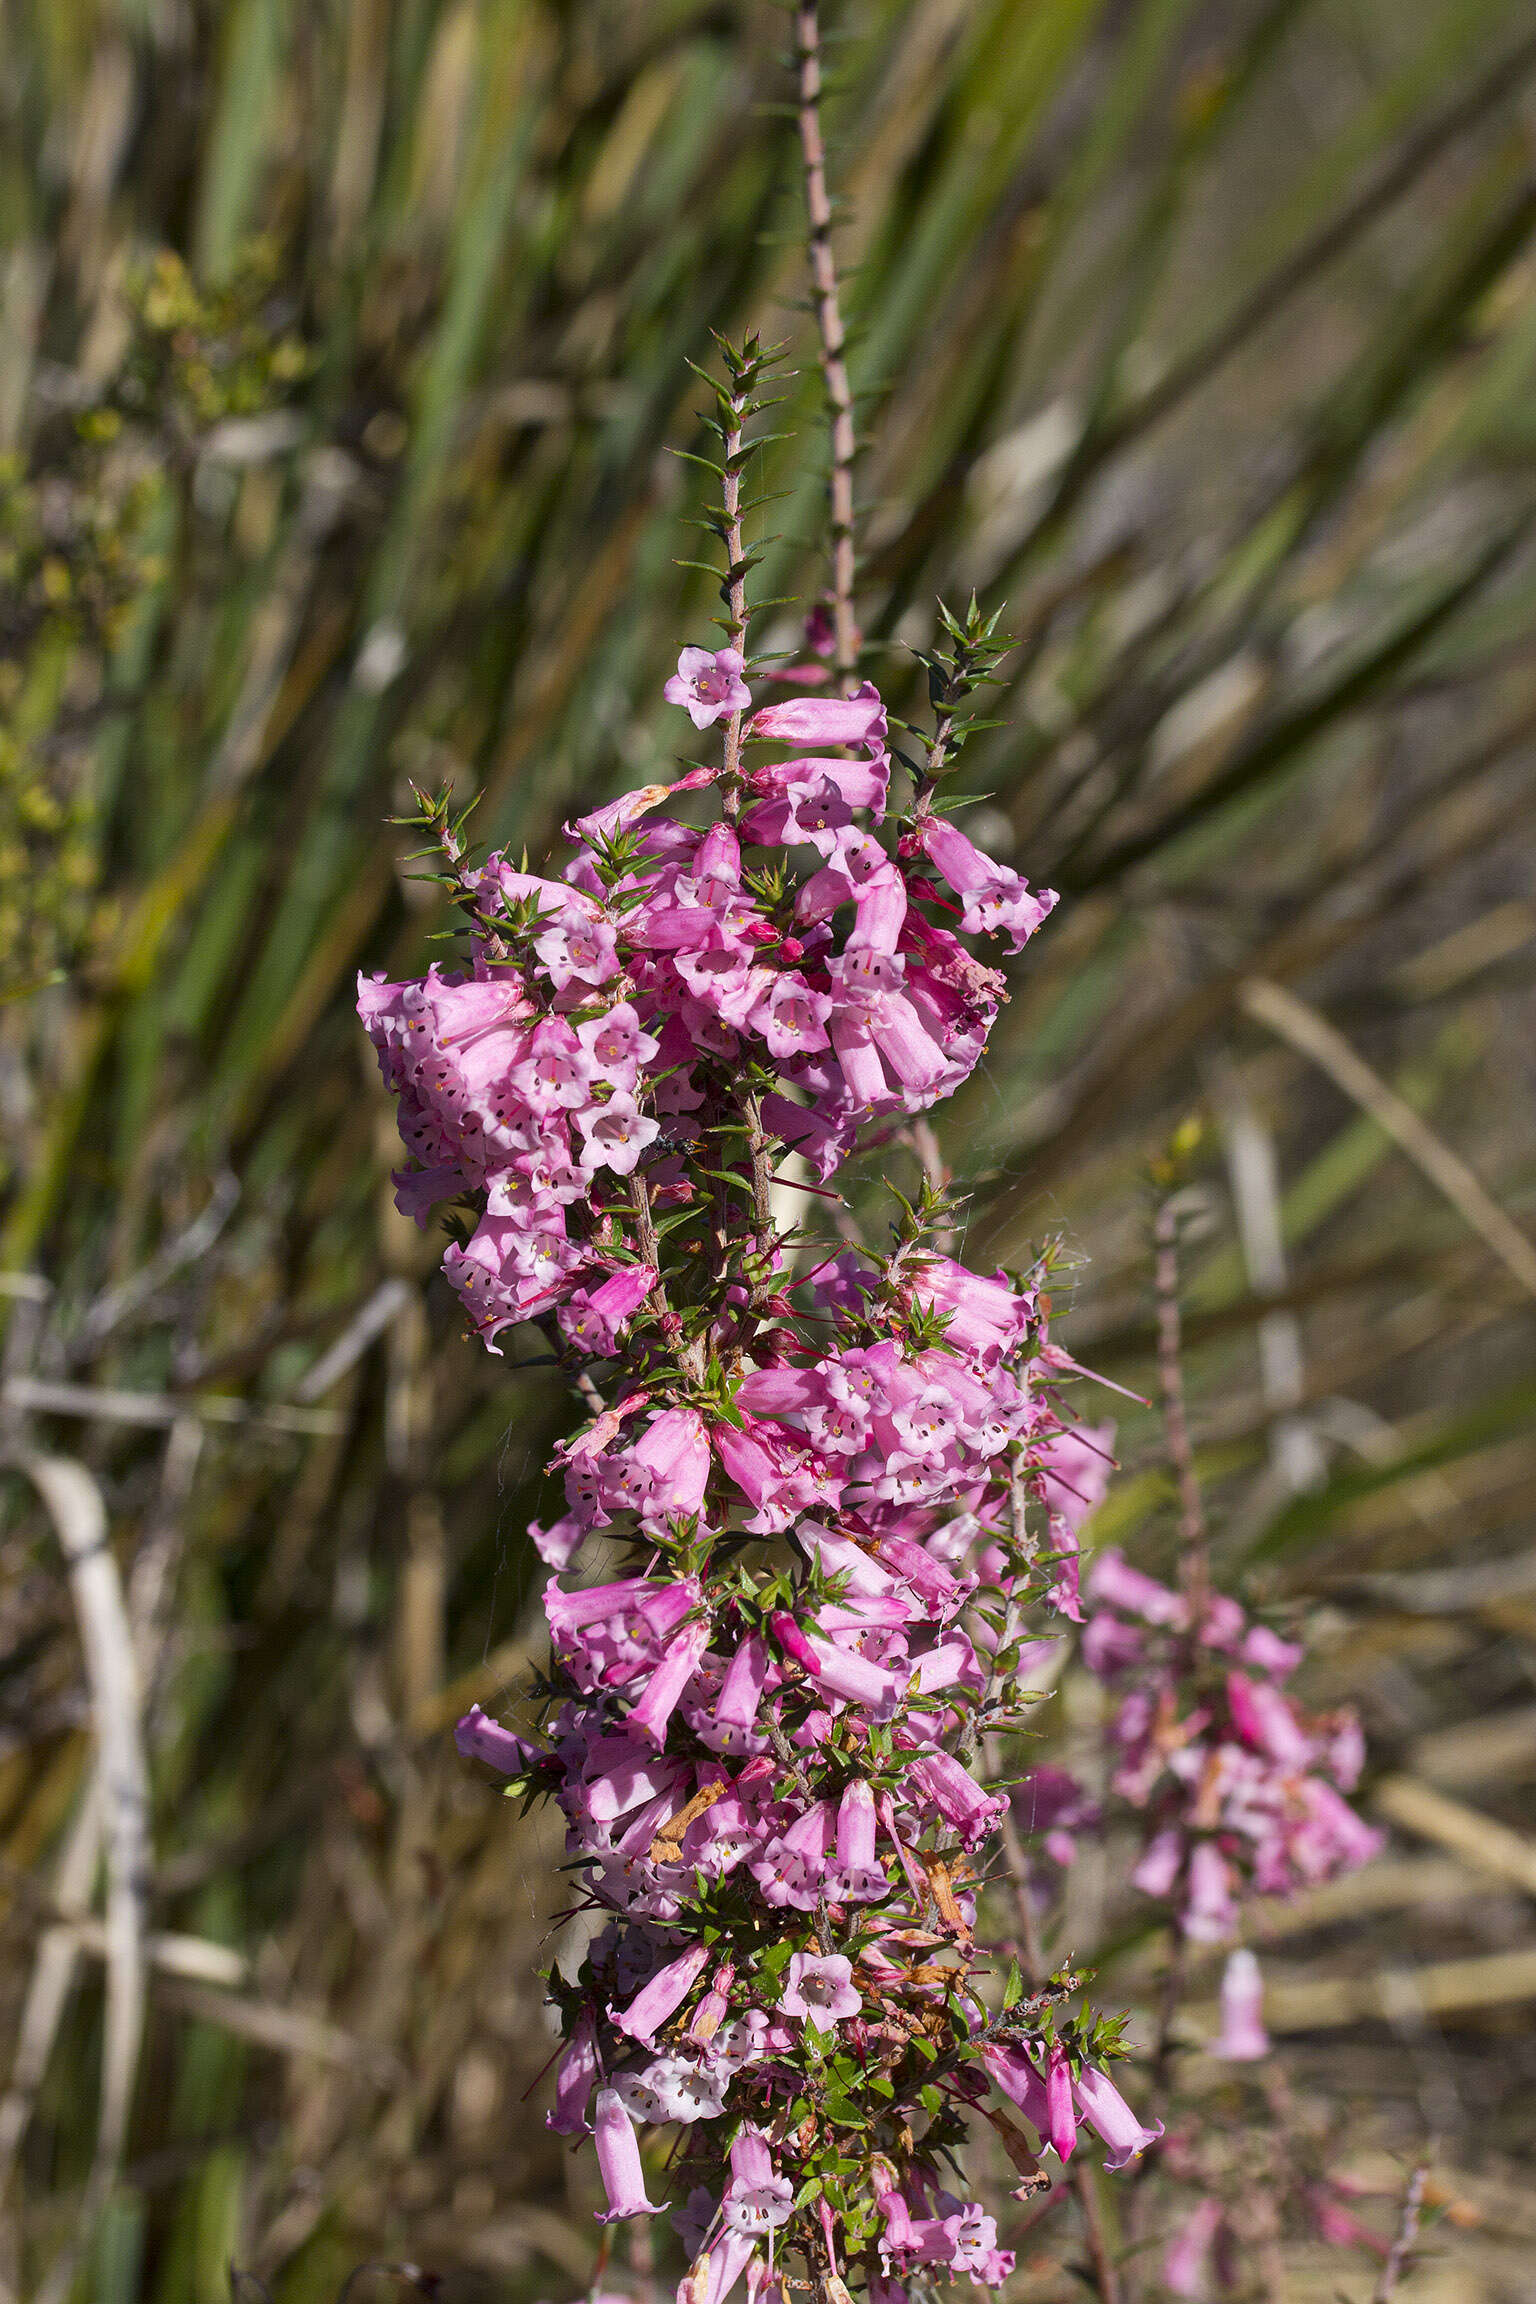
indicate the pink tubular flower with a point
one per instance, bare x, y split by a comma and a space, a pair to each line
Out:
616, 1134
714, 2274
1015, 2077
957, 1797
757, 2199
997, 901
709, 685
618, 2160
856, 719
667, 1683
899, 2235
1211, 1912
1112, 2120
480, 1738
860, 1878
820, 1991
1061, 2117
663, 1995
733, 1724
1242, 2039
1187, 2258
575, 2079
595, 1321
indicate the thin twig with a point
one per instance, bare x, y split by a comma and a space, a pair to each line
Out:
1106, 2276
1194, 1568
53, 1974
287, 2031
1297, 1462
92, 1401
74, 1504
1311, 1035
371, 1319
118, 1304
152, 1577
1407, 2233
832, 339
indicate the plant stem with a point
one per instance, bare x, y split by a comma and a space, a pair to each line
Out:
832, 340
1106, 2277
736, 588
762, 1170
1407, 2232
1194, 1562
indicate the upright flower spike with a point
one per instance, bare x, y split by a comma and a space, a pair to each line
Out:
642, 1020
838, 1495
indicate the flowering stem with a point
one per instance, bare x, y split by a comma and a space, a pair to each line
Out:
1106, 2276
645, 1222
938, 746
1194, 1563
832, 337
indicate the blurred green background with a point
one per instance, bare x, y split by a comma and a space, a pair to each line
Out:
341, 347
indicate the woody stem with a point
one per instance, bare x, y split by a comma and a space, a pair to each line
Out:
832, 340
736, 590
1194, 1563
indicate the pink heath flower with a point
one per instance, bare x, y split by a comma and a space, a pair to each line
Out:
575, 2078
594, 1321
1060, 2113
757, 2199
668, 1683
860, 1879
1111, 2118
712, 2276
663, 1995
1187, 2260
1242, 2039
820, 1991
481, 1738
708, 684
616, 1134
856, 719
618, 2160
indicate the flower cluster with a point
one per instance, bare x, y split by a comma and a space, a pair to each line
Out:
837, 1491
620, 1005
1242, 1793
